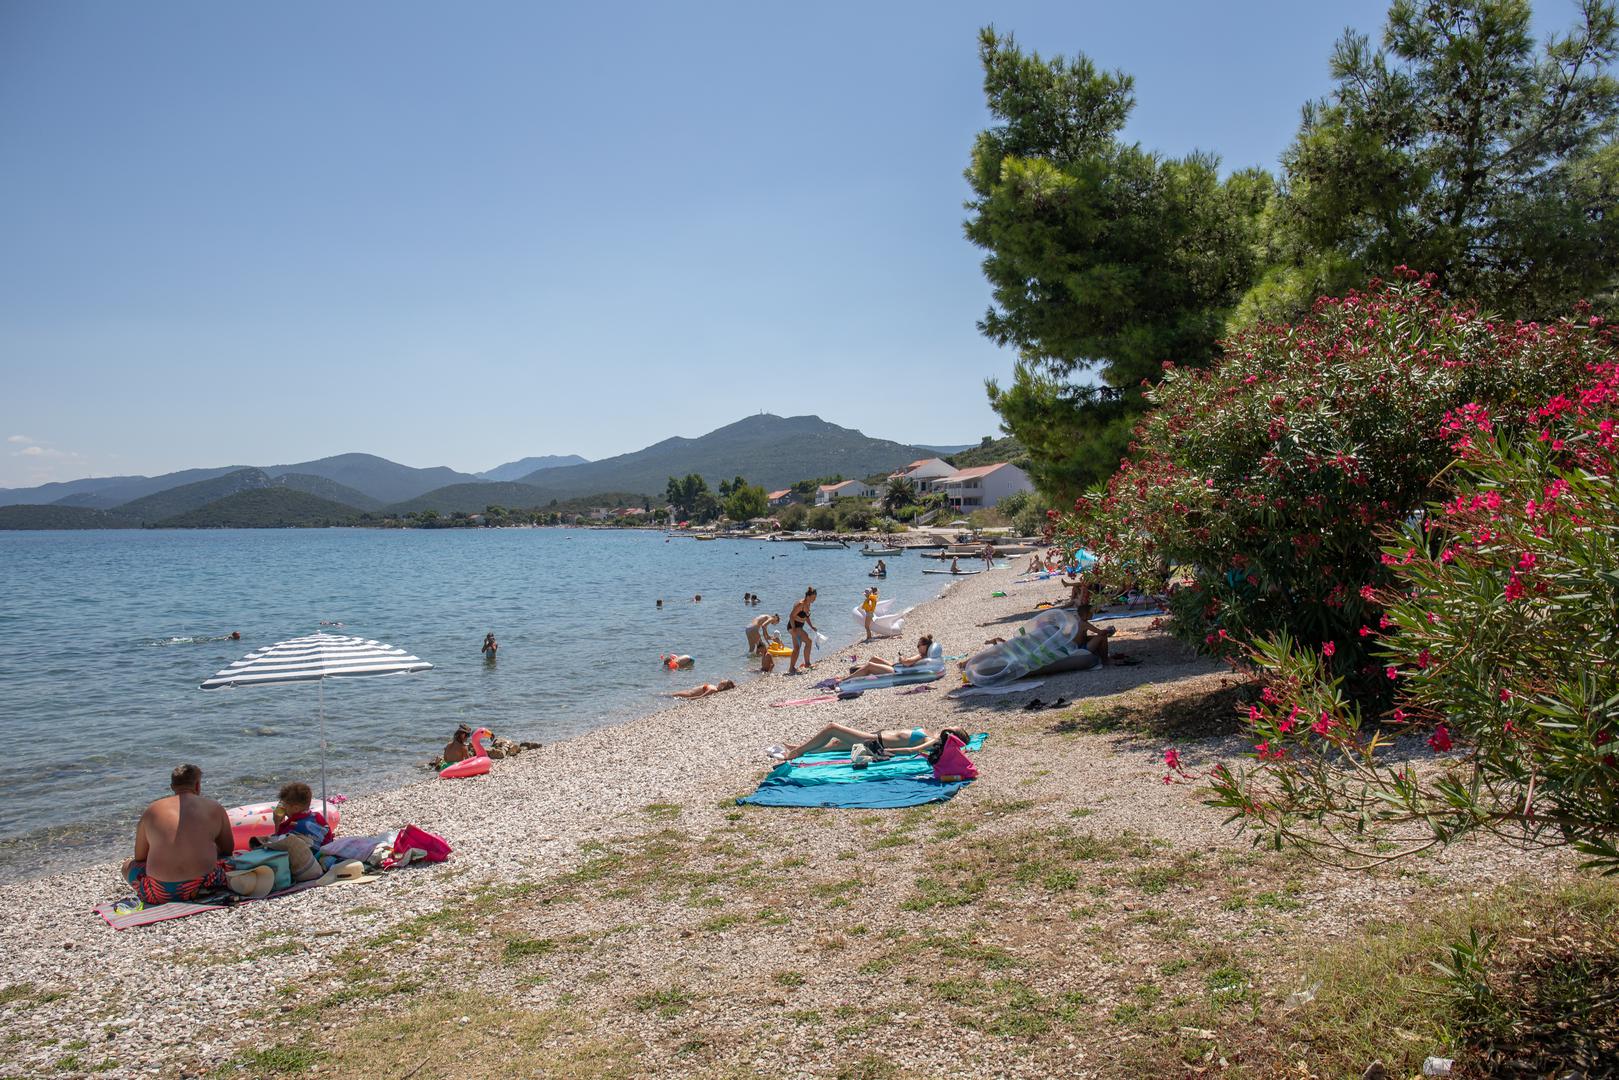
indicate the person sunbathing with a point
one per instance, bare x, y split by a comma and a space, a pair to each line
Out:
705, 689
878, 666
181, 843
876, 744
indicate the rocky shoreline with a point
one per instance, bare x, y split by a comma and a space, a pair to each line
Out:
162, 999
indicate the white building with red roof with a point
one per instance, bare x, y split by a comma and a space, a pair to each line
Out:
983, 485
925, 473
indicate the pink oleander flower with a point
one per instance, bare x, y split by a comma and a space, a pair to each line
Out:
1504, 695
1391, 673
1440, 739
1254, 713
1323, 725
1399, 716
1514, 589
1328, 649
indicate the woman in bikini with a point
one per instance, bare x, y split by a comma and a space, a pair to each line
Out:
878, 744
797, 620
705, 689
878, 666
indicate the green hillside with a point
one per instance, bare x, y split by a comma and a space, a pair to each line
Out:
328, 489
264, 508
516, 470
62, 517
1007, 449
770, 450
186, 497
475, 498
381, 479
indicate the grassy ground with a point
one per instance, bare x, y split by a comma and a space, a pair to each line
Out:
1003, 933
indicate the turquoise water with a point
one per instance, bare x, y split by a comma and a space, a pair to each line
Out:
105, 635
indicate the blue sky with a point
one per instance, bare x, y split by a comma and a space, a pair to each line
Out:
460, 234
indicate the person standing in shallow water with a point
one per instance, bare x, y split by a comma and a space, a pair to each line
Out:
490, 646
796, 622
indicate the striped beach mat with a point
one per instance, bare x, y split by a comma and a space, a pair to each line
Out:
132, 912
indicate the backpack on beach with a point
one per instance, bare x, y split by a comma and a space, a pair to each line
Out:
952, 764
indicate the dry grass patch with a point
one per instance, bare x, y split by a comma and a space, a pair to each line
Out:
496, 1039
1054, 859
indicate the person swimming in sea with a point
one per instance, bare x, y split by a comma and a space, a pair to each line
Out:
490, 646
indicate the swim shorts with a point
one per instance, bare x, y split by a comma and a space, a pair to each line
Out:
153, 891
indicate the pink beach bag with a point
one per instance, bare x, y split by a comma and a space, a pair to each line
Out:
954, 765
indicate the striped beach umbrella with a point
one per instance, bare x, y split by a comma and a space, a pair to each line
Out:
316, 658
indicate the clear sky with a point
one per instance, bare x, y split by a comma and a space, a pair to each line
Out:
459, 234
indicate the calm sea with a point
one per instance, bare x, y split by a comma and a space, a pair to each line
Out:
104, 637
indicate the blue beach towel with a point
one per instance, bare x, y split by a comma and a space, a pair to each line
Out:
827, 780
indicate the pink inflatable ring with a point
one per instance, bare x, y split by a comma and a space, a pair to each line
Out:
258, 819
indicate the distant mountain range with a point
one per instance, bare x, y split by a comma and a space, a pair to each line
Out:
516, 470
769, 450
376, 478
774, 451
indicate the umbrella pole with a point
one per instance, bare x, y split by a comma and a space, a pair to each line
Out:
322, 684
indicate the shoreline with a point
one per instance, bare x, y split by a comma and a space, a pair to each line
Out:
539, 841
552, 682
528, 818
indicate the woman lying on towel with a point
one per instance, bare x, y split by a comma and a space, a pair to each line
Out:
878, 666
706, 689
867, 746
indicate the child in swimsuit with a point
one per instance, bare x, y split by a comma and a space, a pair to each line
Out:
293, 815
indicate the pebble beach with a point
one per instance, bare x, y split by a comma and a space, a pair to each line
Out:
182, 997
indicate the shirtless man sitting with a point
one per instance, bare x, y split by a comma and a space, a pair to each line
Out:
181, 843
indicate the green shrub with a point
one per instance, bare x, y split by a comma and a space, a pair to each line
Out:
1498, 637
1269, 481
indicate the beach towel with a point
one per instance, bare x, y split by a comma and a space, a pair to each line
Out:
1128, 614
131, 912
829, 779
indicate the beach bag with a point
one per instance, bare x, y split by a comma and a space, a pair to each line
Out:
275, 860
413, 844
954, 765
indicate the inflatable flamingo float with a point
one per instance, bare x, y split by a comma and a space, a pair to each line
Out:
476, 765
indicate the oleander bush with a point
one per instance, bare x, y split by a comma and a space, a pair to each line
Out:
1263, 489
1497, 632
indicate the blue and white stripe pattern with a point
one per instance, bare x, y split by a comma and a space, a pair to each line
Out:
318, 656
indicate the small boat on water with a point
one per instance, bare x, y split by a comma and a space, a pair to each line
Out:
884, 552
700, 536
824, 545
